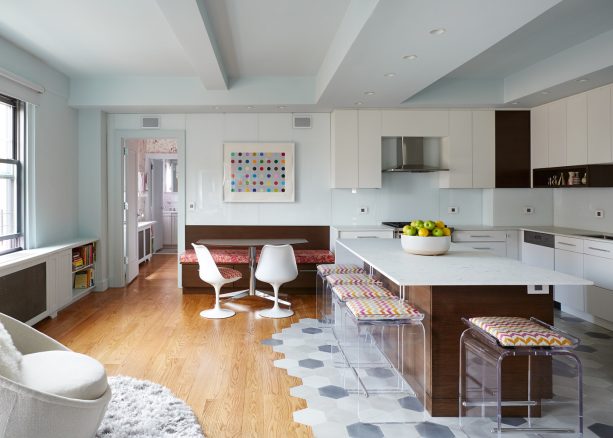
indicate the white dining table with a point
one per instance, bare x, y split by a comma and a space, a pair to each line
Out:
252, 244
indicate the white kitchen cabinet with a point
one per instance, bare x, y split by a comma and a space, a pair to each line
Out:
358, 232
576, 130
457, 152
512, 244
598, 270
484, 149
344, 144
369, 149
415, 123
599, 302
571, 263
539, 137
170, 228
599, 125
356, 149
557, 133
494, 241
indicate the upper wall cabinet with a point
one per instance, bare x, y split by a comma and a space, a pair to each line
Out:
573, 131
512, 149
356, 149
414, 123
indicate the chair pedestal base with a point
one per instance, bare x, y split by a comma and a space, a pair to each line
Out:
217, 313
276, 312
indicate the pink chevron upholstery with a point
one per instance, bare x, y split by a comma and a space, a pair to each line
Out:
237, 256
520, 332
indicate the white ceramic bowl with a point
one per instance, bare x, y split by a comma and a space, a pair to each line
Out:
425, 245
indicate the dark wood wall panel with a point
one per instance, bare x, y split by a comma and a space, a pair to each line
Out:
23, 294
512, 149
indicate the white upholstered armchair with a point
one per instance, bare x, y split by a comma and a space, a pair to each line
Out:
32, 408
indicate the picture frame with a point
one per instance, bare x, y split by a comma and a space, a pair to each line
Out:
258, 172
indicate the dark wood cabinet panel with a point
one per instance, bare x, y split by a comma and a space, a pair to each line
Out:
23, 294
512, 149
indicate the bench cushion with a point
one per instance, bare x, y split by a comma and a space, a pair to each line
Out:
239, 256
346, 292
382, 309
519, 332
339, 269
338, 279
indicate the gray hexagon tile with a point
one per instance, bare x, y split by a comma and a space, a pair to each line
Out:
598, 335
364, 430
433, 430
328, 348
332, 391
312, 330
382, 373
411, 403
310, 363
272, 342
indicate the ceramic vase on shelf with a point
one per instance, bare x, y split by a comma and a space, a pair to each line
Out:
571, 178
584, 179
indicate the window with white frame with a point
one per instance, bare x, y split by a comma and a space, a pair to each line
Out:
11, 174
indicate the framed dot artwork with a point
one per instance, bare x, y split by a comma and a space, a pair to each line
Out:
258, 172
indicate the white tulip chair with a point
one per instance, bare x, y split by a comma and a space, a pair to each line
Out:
216, 277
277, 266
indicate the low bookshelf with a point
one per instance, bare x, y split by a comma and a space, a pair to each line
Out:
83, 269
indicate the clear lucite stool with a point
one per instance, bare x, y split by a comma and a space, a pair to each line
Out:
322, 298
386, 355
483, 347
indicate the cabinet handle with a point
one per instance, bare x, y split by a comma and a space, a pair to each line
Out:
567, 244
481, 247
598, 249
479, 235
367, 237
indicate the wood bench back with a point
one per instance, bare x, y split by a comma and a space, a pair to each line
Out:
318, 236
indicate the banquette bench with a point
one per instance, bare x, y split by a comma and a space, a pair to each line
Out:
308, 255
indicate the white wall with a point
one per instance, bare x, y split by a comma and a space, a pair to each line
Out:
506, 207
205, 135
574, 208
52, 191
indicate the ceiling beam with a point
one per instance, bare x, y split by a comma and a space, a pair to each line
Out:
189, 22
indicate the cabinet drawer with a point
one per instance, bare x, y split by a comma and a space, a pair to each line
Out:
480, 236
599, 249
496, 248
569, 244
599, 302
598, 270
366, 234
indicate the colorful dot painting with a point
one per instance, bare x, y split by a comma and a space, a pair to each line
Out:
257, 179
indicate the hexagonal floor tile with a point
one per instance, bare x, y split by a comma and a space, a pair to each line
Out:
381, 373
598, 335
328, 348
332, 391
433, 430
312, 330
310, 363
315, 381
271, 342
364, 430
285, 363
601, 430
411, 403
303, 392
585, 349
309, 416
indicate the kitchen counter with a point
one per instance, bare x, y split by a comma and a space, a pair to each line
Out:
463, 283
377, 227
460, 266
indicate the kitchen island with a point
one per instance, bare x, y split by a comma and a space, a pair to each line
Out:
461, 283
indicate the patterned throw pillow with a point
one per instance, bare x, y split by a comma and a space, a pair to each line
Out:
10, 357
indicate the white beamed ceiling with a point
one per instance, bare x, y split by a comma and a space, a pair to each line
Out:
314, 55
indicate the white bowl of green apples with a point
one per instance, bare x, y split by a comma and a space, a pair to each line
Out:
426, 238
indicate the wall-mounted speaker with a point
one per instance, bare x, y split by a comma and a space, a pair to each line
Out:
150, 122
302, 121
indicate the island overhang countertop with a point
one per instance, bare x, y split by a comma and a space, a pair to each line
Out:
460, 266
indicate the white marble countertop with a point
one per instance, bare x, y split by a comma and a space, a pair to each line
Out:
460, 266
145, 224
376, 227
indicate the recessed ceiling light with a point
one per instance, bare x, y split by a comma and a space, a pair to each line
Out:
250, 107
409, 57
583, 80
358, 103
514, 103
544, 92
389, 75
217, 107
369, 93
281, 107
438, 31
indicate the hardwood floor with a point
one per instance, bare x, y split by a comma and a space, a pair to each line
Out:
150, 330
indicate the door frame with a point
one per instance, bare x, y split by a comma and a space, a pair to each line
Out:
115, 197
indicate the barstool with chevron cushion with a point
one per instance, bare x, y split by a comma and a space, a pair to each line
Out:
383, 358
487, 342
322, 300
216, 277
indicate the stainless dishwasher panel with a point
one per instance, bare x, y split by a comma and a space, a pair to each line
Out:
538, 250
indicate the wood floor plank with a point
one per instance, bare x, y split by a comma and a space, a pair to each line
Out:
151, 330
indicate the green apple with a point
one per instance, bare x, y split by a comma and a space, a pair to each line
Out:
438, 232
410, 231
418, 224
405, 229
429, 225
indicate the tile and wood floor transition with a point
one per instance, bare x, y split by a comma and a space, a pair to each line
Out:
224, 368
150, 330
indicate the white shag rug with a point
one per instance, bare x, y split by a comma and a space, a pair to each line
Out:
143, 409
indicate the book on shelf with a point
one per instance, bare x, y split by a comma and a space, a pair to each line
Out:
84, 279
83, 256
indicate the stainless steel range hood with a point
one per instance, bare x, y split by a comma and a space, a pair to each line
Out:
413, 154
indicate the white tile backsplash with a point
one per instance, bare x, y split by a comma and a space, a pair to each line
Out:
575, 208
506, 207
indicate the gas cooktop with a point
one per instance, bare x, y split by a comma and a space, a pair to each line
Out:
395, 224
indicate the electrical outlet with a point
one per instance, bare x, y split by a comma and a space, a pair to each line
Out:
191, 206
364, 210
453, 210
528, 210
599, 214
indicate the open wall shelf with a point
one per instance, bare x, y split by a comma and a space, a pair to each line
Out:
588, 175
